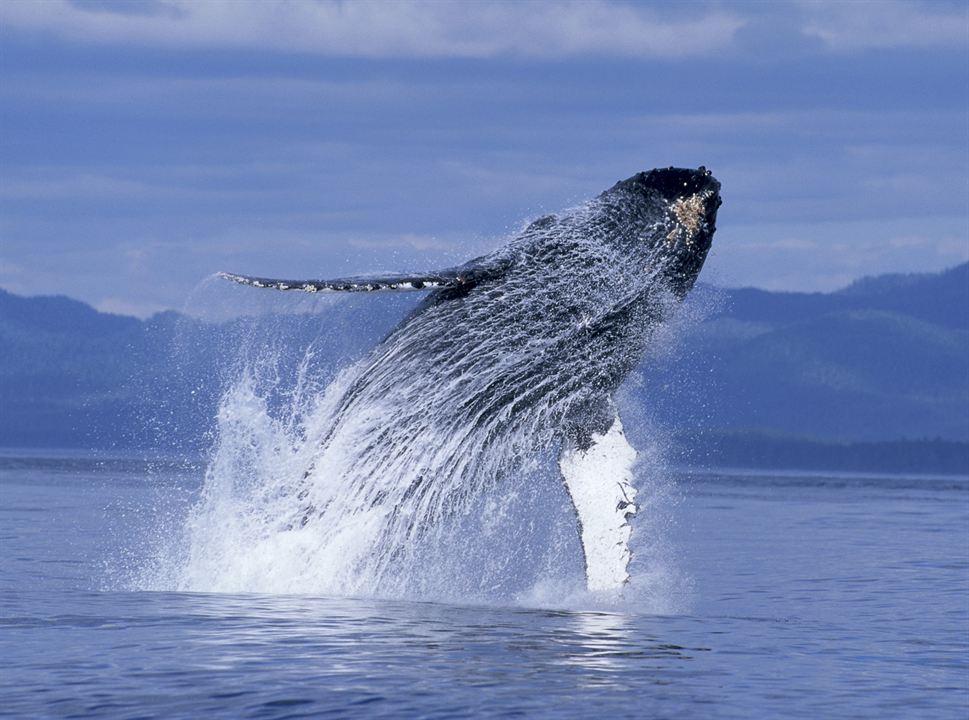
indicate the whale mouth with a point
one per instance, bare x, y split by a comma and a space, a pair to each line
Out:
673, 183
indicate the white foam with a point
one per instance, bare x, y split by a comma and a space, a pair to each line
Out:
429, 468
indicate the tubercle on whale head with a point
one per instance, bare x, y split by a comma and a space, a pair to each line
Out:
692, 195
694, 212
677, 208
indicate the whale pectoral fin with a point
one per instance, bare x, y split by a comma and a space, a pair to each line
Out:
599, 480
465, 276
359, 283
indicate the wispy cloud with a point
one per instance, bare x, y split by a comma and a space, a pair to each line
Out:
411, 241
78, 185
9, 268
371, 28
829, 256
120, 306
869, 24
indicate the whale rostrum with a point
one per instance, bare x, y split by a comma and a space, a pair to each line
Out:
508, 355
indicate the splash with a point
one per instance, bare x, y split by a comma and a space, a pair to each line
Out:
512, 539
245, 533
428, 468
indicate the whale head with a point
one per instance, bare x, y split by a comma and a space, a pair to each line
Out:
668, 217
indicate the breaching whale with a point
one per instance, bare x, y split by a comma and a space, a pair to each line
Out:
508, 355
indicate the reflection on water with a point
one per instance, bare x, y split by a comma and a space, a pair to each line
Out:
606, 646
599, 645
337, 640
332, 653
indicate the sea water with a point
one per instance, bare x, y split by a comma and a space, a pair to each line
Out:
792, 594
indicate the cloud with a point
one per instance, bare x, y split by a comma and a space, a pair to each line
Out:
88, 185
411, 241
9, 268
870, 24
120, 306
376, 29
947, 247
828, 256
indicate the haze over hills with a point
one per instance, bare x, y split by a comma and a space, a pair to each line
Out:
884, 359
770, 378
939, 298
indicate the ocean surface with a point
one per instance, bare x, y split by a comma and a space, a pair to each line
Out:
799, 595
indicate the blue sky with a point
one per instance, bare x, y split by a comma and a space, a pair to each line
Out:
144, 146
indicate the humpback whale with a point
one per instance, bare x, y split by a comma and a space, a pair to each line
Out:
508, 355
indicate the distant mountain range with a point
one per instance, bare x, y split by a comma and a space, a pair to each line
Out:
887, 358
764, 378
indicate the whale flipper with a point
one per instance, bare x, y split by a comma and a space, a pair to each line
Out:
464, 276
599, 477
